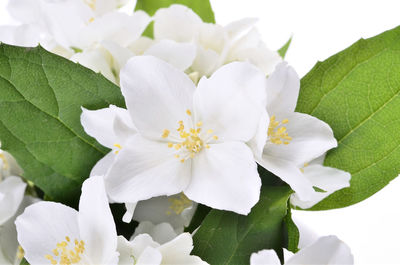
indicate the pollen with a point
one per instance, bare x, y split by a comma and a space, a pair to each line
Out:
178, 204
188, 112
91, 4
116, 151
20, 253
277, 133
5, 162
165, 133
66, 254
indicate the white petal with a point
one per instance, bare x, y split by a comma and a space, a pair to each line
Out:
96, 223
161, 233
326, 250
283, 87
326, 178
65, 20
178, 23
12, 189
117, 27
97, 60
225, 177
130, 209
237, 28
265, 257
258, 142
125, 250
206, 62
289, 173
103, 165
156, 91
42, 226
21, 35
231, 101
251, 48
158, 210
180, 55
149, 256
100, 124
145, 169
311, 138
178, 251
141, 242
139, 46
120, 55
25, 11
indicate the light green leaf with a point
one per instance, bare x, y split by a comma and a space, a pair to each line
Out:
200, 7
357, 93
229, 238
41, 95
283, 50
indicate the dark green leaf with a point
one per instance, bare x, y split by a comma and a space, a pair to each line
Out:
200, 7
229, 238
357, 92
41, 95
283, 50
292, 232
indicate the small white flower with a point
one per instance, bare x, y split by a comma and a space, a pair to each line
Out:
167, 249
189, 140
54, 233
294, 139
208, 46
327, 250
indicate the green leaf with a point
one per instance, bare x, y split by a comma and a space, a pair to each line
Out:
283, 50
229, 238
41, 95
357, 93
293, 234
200, 7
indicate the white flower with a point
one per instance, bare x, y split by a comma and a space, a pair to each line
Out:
190, 140
170, 248
52, 232
326, 179
327, 250
294, 139
12, 190
213, 44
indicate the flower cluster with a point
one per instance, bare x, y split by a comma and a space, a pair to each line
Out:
206, 107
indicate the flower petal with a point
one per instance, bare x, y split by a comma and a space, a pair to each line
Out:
130, 210
161, 233
265, 257
21, 35
141, 242
326, 178
236, 28
177, 251
156, 91
311, 138
96, 223
42, 226
117, 27
289, 173
103, 165
231, 101
180, 55
283, 87
12, 189
178, 23
326, 250
225, 177
100, 124
145, 169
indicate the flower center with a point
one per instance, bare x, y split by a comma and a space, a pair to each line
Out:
67, 254
277, 133
178, 204
190, 142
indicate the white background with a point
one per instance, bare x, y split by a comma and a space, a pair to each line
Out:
321, 28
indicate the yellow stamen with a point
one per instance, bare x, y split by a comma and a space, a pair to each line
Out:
178, 204
65, 254
278, 135
165, 133
188, 112
215, 137
116, 151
